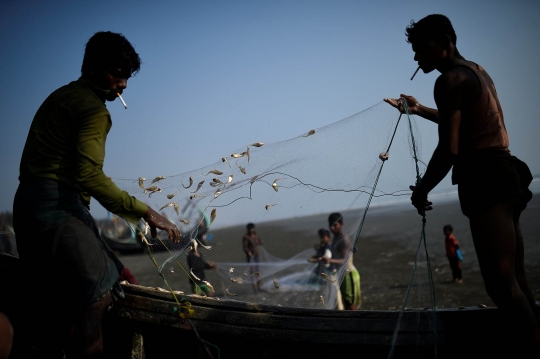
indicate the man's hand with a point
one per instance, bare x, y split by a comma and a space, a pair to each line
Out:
398, 103
420, 201
155, 220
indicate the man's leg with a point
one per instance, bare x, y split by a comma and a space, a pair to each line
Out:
520, 264
494, 238
87, 339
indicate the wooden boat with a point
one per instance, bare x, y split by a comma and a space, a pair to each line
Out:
147, 324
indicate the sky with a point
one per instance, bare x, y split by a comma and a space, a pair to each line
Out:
216, 75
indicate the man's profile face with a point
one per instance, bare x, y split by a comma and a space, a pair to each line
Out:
113, 79
427, 53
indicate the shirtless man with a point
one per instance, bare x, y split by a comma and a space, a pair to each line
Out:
492, 184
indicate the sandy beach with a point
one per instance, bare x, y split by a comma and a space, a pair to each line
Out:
385, 255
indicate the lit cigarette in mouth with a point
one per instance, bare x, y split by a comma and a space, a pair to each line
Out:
124, 103
411, 78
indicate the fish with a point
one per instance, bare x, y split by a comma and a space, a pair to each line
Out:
217, 180
482, 305
245, 274
212, 215
239, 280
231, 269
247, 154
208, 285
204, 246
141, 182
229, 293
217, 193
238, 155
157, 179
215, 184
170, 196
172, 204
322, 300
152, 190
270, 205
198, 186
229, 180
257, 144
193, 275
190, 183
327, 277
224, 159
196, 195
146, 227
312, 132
275, 282
242, 169
194, 244
253, 179
274, 184
256, 273
185, 221
216, 172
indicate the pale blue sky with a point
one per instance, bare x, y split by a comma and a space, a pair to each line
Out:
219, 74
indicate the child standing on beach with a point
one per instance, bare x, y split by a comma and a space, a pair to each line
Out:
323, 249
452, 245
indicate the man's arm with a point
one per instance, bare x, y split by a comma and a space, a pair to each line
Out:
448, 93
415, 107
344, 251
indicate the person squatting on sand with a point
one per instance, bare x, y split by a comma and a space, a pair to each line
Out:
492, 183
349, 295
198, 265
60, 170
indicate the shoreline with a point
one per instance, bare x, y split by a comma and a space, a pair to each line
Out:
385, 256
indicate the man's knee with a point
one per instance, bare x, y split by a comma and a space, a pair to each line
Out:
502, 293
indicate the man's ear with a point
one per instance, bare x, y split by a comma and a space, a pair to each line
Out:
445, 41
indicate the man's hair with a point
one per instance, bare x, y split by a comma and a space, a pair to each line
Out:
249, 226
448, 228
335, 217
430, 27
324, 232
109, 49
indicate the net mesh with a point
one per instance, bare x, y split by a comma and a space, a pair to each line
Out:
287, 189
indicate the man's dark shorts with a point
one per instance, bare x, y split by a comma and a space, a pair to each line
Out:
488, 177
60, 245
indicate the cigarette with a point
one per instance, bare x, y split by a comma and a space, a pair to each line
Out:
124, 103
411, 77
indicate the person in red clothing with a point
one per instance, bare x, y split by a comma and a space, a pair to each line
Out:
452, 244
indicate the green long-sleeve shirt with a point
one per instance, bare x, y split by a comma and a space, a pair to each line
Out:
66, 142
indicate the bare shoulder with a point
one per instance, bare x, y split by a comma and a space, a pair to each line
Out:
456, 76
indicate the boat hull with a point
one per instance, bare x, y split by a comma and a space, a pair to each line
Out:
147, 324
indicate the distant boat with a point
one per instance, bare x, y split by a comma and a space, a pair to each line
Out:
120, 237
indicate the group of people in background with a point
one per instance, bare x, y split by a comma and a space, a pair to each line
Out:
332, 257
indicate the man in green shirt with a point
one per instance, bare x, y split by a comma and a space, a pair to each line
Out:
61, 169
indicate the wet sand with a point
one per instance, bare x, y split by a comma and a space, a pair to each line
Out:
385, 255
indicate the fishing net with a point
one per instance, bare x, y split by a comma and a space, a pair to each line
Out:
287, 189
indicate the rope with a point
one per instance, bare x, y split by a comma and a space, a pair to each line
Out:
422, 241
